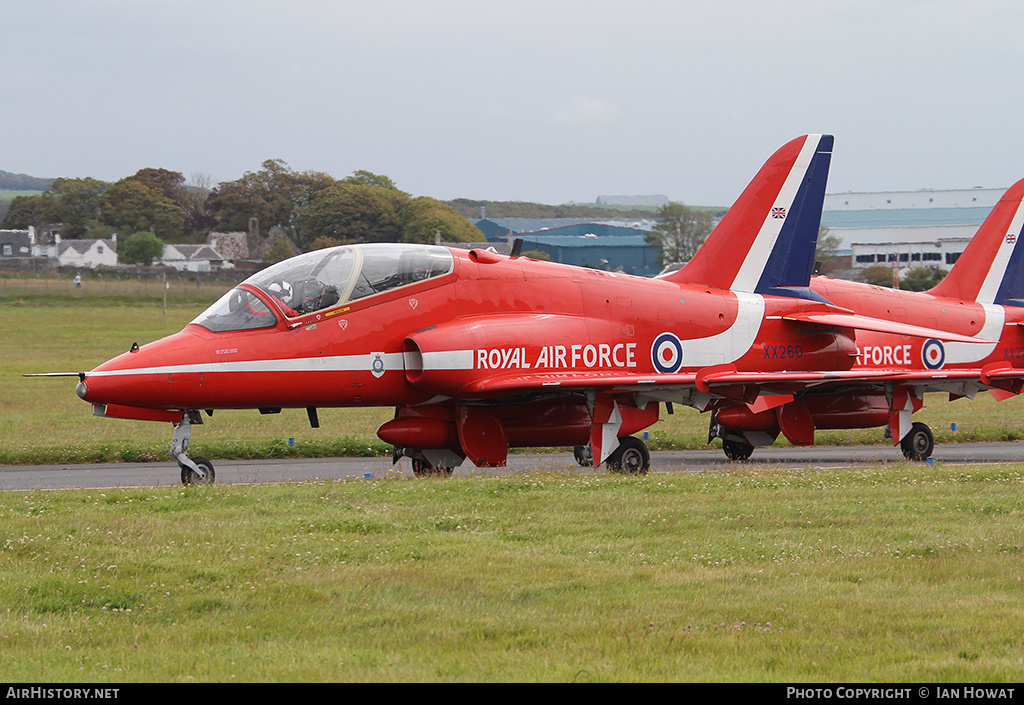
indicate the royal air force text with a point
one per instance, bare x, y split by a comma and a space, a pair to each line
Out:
604, 355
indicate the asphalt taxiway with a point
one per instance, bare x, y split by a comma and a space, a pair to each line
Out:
157, 474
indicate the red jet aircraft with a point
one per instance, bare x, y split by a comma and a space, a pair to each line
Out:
479, 352
981, 298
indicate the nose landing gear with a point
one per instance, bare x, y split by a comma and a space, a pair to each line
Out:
194, 471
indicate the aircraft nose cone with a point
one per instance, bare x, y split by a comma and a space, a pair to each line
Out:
170, 373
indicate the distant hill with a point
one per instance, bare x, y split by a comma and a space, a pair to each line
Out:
22, 182
470, 208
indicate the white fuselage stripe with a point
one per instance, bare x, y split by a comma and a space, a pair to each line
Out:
448, 360
340, 363
441, 360
732, 343
965, 353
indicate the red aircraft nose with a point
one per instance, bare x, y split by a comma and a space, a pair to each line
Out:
171, 373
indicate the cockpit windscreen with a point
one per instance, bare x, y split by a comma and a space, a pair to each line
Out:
324, 278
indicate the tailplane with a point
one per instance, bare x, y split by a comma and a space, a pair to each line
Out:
767, 239
991, 268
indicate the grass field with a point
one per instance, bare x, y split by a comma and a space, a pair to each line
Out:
905, 574
11, 194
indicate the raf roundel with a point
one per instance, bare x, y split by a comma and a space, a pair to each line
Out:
667, 353
933, 355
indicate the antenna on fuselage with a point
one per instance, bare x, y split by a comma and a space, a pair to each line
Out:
517, 247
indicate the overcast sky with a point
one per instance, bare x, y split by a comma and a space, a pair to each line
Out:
550, 101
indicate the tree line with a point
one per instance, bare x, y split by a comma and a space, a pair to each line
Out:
156, 206
312, 208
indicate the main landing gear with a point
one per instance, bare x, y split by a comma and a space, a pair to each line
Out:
736, 450
630, 457
422, 468
194, 471
431, 462
919, 443
916, 445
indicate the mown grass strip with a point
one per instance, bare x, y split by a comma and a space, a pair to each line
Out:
904, 573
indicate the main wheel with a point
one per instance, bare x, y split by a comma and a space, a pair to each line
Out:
630, 458
736, 450
919, 443
190, 477
422, 468
584, 456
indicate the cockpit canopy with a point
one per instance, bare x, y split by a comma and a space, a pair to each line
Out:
325, 278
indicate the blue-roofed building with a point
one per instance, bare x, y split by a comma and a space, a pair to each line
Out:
500, 229
908, 209
609, 244
602, 246
907, 229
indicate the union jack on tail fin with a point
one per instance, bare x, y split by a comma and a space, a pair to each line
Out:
761, 244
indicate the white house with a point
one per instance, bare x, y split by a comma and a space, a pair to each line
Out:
191, 258
88, 253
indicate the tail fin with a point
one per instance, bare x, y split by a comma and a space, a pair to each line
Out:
768, 237
991, 268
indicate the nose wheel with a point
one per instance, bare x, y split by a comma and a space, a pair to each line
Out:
191, 477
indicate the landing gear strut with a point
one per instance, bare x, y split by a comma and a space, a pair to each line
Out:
432, 462
194, 471
423, 468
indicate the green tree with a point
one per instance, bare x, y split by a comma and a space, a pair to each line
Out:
423, 218
280, 251
273, 195
921, 279
79, 199
324, 242
24, 211
133, 205
140, 248
350, 213
879, 275
368, 178
75, 203
827, 251
681, 231
194, 200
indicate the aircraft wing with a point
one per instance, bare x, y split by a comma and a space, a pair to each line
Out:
858, 322
726, 382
